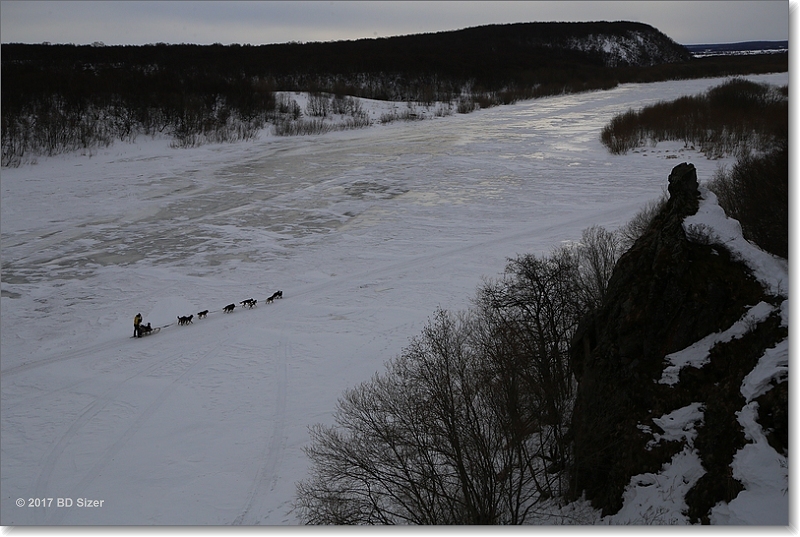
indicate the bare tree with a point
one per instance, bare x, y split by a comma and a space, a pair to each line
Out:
429, 442
469, 424
597, 254
635, 228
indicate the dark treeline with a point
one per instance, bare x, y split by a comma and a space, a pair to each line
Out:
62, 98
755, 191
734, 117
493, 56
59, 98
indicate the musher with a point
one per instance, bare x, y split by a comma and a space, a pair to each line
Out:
136, 322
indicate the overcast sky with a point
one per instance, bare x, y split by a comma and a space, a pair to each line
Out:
254, 22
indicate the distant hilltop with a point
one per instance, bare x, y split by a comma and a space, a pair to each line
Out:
492, 64
737, 49
487, 53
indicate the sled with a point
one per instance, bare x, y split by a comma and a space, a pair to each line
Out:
150, 333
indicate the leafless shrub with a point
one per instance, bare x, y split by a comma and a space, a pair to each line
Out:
702, 234
199, 124
622, 134
635, 228
347, 106
285, 106
302, 127
756, 193
444, 110
306, 127
409, 114
318, 105
737, 117
465, 106
597, 255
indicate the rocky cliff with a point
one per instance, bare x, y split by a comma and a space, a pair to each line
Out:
690, 313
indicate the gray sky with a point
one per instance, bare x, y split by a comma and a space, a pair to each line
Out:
254, 22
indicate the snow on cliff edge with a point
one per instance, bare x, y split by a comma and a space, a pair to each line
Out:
660, 498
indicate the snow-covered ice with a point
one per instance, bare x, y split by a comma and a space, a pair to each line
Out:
366, 232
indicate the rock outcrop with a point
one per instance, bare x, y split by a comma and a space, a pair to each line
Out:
668, 292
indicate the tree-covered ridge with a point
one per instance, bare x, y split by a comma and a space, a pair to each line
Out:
492, 58
58, 98
492, 49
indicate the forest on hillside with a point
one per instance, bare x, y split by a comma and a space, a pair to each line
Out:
58, 98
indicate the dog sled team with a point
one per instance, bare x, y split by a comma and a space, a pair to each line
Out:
140, 329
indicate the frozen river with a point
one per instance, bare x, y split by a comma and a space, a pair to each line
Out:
366, 232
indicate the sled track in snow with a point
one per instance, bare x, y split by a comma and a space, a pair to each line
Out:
61, 357
311, 288
92, 410
71, 355
271, 455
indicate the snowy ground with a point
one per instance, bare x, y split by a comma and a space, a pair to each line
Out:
366, 232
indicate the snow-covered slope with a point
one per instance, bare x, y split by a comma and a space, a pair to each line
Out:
366, 232
632, 48
621, 44
660, 497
